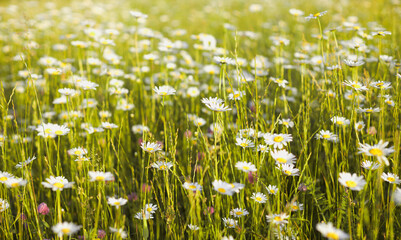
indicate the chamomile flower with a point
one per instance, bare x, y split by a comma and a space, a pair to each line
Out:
286, 122
245, 167
262, 148
353, 182
151, 147
193, 227
230, 223
236, 187
340, 121
119, 232
278, 218
161, 165
368, 110
236, 95
68, 92
245, 143
23, 164
97, 176
15, 182
150, 208
389, 102
359, 126
143, 215
288, 169
65, 228
381, 85
107, 125
223, 187
4, 176
391, 178
239, 212
379, 151
357, 86
272, 189
330, 232
295, 206
277, 140
79, 151
4, 205
116, 202
199, 122
192, 186
353, 62
57, 183
164, 90
259, 197
281, 82
296, 12
283, 157
139, 129
327, 135
370, 165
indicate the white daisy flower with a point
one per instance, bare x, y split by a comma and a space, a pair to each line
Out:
57, 183
353, 182
379, 151
245, 167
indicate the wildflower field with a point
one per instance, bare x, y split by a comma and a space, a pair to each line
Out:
202, 119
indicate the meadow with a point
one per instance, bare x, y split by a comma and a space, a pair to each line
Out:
200, 119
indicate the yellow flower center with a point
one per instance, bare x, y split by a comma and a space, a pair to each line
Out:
287, 172
258, 199
117, 203
350, 183
281, 160
376, 152
326, 136
100, 178
236, 95
272, 191
58, 132
285, 123
332, 235
192, 187
369, 110
278, 218
238, 213
150, 149
356, 85
58, 185
390, 179
244, 144
278, 139
245, 167
48, 130
3, 178
77, 152
149, 209
15, 184
65, 230
340, 122
163, 167
222, 190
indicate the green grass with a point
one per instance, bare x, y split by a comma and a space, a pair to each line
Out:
315, 95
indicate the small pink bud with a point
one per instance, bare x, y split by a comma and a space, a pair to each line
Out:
43, 209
